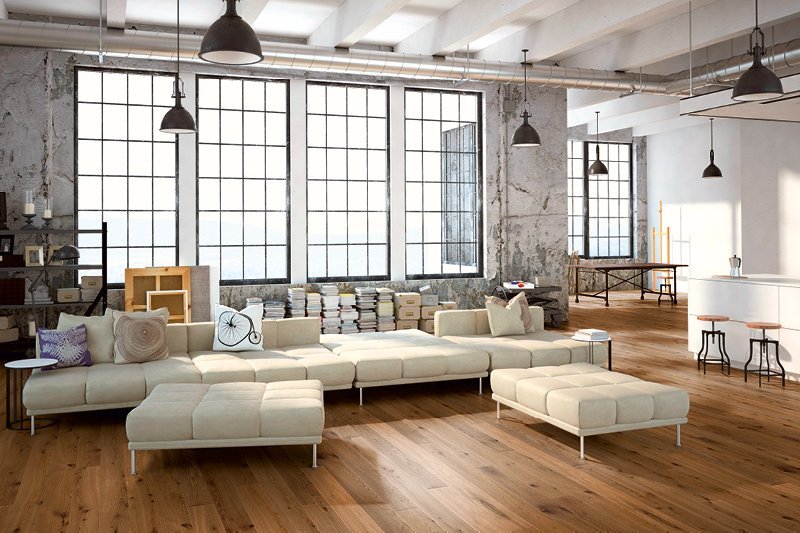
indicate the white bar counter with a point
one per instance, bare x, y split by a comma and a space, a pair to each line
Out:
755, 297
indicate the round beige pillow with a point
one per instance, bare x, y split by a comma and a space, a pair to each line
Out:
139, 340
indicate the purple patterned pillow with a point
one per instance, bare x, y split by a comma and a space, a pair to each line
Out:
69, 347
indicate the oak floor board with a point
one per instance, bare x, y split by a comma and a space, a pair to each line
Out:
432, 457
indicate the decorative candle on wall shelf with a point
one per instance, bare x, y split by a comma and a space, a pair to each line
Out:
29, 208
48, 209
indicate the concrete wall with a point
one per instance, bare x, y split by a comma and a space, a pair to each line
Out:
524, 194
751, 211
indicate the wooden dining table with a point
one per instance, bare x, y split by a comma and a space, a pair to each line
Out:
614, 276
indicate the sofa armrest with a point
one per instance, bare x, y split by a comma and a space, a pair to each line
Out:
455, 322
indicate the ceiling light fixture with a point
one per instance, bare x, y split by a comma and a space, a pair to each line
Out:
598, 168
231, 40
178, 119
712, 170
758, 82
525, 135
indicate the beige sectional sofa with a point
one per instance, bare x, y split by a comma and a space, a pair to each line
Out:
536, 348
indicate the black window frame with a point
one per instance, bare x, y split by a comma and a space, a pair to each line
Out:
479, 182
588, 159
76, 139
387, 150
219, 143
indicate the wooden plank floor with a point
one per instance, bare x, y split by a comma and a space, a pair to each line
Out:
432, 457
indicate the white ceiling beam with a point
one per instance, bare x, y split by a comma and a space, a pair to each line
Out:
116, 11
677, 123
712, 23
250, 10
576, 26
352, 21
617, 107
466, 22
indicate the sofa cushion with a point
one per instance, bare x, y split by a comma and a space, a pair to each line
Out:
582, 408
292, 409
524, 310
69, 346
421, 362
99, 333
177, 341
112, 383
199, 336
465, 359
505, 319
138, 339
238, 331
544, 353
294, 331
221, 367
375, 365
273, 365
322, 365
55, 389
228, 410
167, 415
177, 368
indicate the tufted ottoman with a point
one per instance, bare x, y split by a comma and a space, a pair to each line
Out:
199, 415
585, 399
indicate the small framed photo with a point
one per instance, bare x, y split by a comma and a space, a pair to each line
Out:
34, 255
6, 244
51, 252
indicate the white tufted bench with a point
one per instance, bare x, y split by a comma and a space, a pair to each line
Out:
199, 415
585, 399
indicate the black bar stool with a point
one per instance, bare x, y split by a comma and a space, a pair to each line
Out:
710, 337
763, 353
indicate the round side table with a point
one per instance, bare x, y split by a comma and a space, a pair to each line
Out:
591, 347
18, 372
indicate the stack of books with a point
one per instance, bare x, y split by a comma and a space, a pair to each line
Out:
8, 331
331, 319
274, 309
591, 335
296, 305
313, 304
385, 309
366, 302
347, 313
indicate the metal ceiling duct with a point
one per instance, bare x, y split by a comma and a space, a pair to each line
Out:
158, 45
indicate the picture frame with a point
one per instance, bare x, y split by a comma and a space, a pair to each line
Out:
6, 244
34, 255
51, 252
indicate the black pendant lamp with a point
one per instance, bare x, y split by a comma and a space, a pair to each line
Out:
712, 170
178, 119
758, 82
525, 135
598, 168
231, 40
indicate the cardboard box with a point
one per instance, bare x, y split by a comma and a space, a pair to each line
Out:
407, 312
426, 326
429, 299
407, 299
9, 335
6, 322
68, 295
91, 282
448, 306
426, 312
406, 324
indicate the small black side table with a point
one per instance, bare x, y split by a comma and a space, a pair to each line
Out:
19, 371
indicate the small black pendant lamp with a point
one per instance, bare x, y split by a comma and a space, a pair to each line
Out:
712, 170
598, 168
758, 82
525, 135
178, 119
231, 40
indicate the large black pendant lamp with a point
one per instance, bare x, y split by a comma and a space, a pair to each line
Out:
712, 170
525, 135
758, 82
178, 119
231, 40
598, 168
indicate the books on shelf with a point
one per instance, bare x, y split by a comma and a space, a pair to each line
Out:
591, 334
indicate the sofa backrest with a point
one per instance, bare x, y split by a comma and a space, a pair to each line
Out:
277, 333
474, 321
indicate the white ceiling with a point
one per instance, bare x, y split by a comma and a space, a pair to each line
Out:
651, 35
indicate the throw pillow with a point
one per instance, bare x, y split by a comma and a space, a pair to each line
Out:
99, 333
525, 312
505, 320
140, 339
69, 347
238, 331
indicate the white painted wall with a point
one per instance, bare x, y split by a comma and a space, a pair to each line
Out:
752, 211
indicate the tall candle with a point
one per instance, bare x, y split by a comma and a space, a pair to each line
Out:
48, 213
31, 328
29, 209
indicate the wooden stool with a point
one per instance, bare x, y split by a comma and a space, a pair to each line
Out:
665, 283
712, 335
764, 343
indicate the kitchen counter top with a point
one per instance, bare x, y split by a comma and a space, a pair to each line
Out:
758, 279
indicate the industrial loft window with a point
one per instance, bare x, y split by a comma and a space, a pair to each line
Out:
443, 184
126, 169
600, 209
242, 178
347, 187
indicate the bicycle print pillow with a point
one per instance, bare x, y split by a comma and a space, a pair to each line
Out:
238, 331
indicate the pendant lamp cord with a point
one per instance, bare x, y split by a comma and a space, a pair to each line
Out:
100, 27
597, 135
525, 78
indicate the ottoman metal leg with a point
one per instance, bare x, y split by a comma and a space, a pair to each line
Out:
33, 425
480, 385
133, 462
582, 455
678, 435
361, 396
498, 410
314, 456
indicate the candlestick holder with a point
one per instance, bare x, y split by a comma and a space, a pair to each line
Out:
29, 222
46, 222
